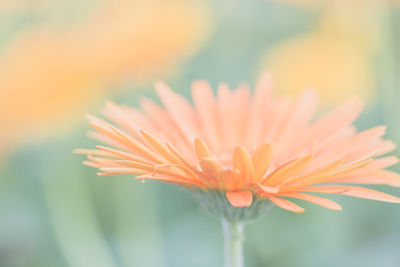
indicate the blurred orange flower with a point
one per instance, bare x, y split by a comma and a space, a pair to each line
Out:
335, 59
260, 147
49, 75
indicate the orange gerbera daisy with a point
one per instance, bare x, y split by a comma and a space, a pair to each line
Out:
247, 148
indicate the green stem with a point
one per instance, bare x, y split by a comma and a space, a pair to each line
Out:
233, 243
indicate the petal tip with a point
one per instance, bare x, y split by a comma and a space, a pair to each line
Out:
240, 199
300, 211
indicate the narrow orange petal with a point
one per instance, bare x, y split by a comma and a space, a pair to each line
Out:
261, 160
127, 118
241, 161
287, 170
333, 122
240, 198
91, 164
135, 145
207, 112
104, 133
212, 170
180, 110
124, 155
353, 191
107, 173
349, 146
94, 152
295, 123
286, 204
226, 120
232, 180
179, 172
137, 165
162, 123
374, 177
326, 203
240, 112
386, 146
182, 158
122, 170
380, 163
343, 171
311, 177
201, 148
279, 112
262, 93
106, 140
266, 189
104, 162
159, 147
168, 179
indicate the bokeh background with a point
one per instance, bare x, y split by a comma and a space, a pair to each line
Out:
61, 59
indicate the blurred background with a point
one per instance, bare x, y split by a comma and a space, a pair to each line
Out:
61, 59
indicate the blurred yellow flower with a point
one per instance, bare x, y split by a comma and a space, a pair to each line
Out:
330, 67
49, 75
335, 59
322, 3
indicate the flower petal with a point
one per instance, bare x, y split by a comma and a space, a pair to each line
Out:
262, 93
159, 147
297, 122
184, 161
286, 204
212, 170
326, 203
353, 191
226, 116
124, 155
310, 177
261, 160
180, 110
266, 189
287, 170
169, 179
379, 163
122, 170
334, 122
240, 198
201, 148
241, 161
207, 112
375, 177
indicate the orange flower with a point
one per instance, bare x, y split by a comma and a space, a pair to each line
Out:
65, 71
256, 147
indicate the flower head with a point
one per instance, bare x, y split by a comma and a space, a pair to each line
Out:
248, 148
